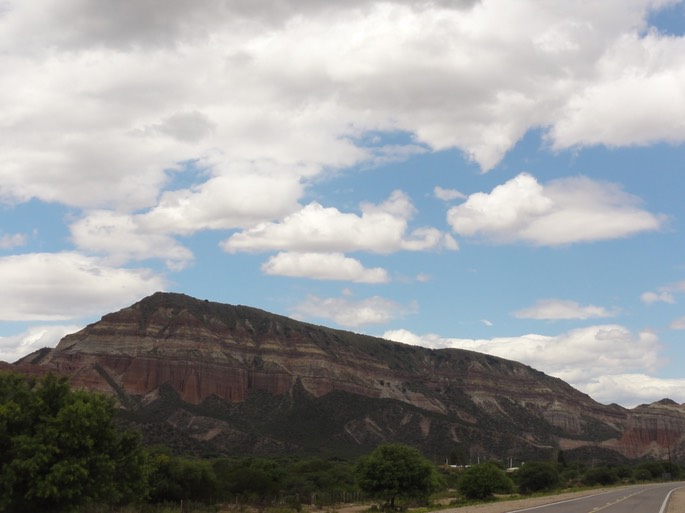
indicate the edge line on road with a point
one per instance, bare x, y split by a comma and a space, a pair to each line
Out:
560, 502
664, 505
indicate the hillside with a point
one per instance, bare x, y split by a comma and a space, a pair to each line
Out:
210, 378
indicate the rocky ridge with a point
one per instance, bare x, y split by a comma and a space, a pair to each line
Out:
214, 378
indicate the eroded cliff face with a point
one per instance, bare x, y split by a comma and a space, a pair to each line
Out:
237, 378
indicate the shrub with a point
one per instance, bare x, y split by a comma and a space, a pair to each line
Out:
600, 476
537, 476
483, 481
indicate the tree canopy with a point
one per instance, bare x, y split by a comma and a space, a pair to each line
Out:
536, 476
483, 480
394, 471
59, 448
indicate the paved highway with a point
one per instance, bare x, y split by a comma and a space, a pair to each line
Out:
635, 499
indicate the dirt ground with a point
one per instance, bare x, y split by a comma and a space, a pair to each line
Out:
677, 503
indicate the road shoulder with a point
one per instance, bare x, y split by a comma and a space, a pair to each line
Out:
677, 502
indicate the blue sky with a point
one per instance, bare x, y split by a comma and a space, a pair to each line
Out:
499, 176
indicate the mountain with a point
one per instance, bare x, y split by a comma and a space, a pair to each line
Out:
210, 378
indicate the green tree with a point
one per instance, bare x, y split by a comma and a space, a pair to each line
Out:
395, 471
174, 478
482, 481
536, 476
316, 475
458, 456
59, 448
642, 474
252, 479
655, 468
561, 459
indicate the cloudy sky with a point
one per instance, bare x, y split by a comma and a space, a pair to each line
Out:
506, 177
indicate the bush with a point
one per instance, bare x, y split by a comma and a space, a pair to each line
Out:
537, 476
483, 481
600, 476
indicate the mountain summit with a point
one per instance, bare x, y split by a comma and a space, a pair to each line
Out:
212, 378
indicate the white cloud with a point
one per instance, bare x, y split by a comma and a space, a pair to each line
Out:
11, 241
447, 194
657, 297
564, 211
183, 126
636, 99
144, 24
237, 198
580, 357
380, 229
101, 102
121, 239
507, 210
665, 294
350, 313
17, 346
556, 309
323, 266
629, 390
678, 324
58, 286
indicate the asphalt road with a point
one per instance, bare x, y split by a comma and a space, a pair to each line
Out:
636, 499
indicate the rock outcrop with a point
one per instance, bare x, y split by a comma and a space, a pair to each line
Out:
215, 378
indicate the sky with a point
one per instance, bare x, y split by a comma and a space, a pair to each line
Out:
505, 177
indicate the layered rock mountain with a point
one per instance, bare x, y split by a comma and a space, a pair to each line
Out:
211, 378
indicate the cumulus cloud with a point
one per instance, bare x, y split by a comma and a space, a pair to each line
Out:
323, 266
111, 98
580, 357
629, 390
15, 347
144, 24
557, 309
183, 126
238, 198
121, 239
232, 200
564, 211
650, 67
380, 228
58, 286
352, 313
